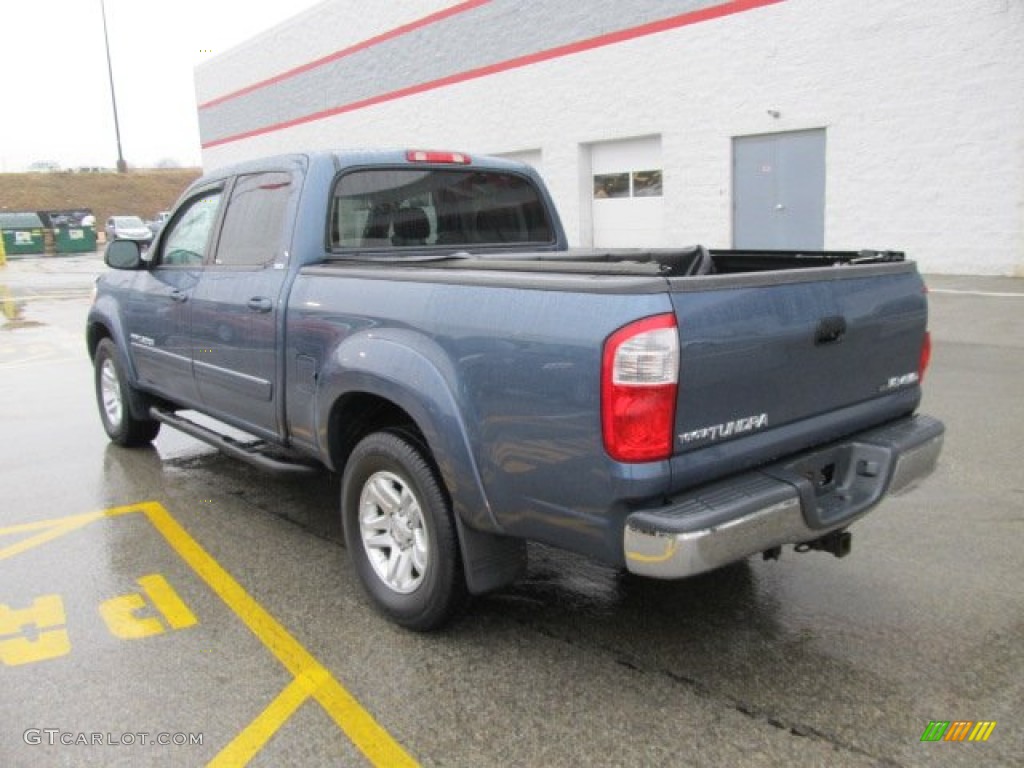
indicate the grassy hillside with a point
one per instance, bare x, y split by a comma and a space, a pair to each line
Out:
139, 192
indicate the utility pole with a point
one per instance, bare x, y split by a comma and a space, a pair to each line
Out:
122, 166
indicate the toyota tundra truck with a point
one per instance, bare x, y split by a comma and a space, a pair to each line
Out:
416, 322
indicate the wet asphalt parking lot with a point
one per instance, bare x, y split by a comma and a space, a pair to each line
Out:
171, 606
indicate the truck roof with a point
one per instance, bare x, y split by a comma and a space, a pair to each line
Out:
353, 157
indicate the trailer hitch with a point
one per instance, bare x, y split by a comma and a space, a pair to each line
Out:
837, 543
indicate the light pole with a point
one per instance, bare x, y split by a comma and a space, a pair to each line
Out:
122, 166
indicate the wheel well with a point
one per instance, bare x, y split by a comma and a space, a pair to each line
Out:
94, 334
359, 414
488, 561
138, 401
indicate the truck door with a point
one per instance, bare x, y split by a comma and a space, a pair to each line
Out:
158, 312
236, 307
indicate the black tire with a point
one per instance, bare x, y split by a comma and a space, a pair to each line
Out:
113, 398
400, 532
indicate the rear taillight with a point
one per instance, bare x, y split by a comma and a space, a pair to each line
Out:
639, 382
926, 356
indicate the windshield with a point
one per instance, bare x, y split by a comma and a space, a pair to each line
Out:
386, 208
128, 222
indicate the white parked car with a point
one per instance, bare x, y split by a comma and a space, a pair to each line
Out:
128, 228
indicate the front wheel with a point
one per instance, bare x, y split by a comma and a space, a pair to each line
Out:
400, 532
112, 397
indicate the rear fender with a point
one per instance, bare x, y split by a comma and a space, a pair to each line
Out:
414, 373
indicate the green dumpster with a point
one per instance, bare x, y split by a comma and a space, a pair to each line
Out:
23, 234
72, 239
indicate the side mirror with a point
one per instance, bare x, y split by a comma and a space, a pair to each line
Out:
123, 254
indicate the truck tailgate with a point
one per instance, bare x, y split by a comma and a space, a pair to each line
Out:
765, 350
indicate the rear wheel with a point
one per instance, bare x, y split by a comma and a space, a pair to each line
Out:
112, 396
400, 532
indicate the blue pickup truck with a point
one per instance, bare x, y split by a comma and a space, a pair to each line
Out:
416, 322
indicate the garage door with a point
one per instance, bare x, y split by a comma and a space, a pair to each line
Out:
628, 208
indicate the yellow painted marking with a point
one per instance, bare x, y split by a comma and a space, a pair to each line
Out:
311, 679
53, 529
46, 614
8, 306
121, 613
251, 740
358, 724
167, 601
49, 530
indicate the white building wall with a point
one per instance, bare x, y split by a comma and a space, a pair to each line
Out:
317, 32
922, 103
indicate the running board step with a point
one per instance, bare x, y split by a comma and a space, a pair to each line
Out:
255, 452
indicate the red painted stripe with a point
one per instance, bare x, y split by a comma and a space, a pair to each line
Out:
405, 29
632, 33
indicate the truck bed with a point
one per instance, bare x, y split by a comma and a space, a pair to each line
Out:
667, 262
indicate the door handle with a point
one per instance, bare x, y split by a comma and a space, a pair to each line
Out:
260, 304
178, 296
830, 330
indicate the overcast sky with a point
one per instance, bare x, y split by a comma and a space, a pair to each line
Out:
56, 94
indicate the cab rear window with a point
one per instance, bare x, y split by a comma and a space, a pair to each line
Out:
411, 207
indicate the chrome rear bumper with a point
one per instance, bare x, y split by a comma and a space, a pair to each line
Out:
794, 501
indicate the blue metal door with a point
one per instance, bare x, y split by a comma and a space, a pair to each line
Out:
158, 314
778, 187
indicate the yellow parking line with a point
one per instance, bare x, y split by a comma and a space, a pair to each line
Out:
245, 745
311, 679
358, 724
53, 529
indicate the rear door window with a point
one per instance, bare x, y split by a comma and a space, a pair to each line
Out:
254, 220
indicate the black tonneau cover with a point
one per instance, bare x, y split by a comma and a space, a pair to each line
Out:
668, 262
